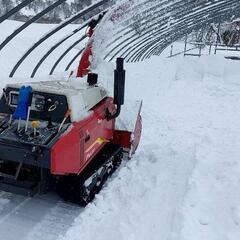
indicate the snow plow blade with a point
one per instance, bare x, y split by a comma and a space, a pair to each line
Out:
129, 127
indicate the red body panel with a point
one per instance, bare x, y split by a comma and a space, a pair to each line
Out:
77, 147
123, 138
84, 64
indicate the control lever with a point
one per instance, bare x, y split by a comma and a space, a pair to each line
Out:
28, 111
10, 117
48, 115
67, 114
22, 110
35, 125
49, 125
5, 95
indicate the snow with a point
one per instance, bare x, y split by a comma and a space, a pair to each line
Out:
183, 182
80, 96
128, 115
15, 49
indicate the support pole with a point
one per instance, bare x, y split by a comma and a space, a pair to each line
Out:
185, 46
218, 39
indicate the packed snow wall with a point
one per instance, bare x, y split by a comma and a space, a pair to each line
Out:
133, 29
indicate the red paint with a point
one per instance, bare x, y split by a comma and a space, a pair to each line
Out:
90, 32
69, 154
85, 62
75, 149
122, 138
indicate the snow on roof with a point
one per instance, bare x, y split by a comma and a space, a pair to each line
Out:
56, 87
81, 97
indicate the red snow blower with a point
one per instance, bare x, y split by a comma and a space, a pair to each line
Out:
64, 136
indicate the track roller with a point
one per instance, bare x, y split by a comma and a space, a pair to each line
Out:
83, 188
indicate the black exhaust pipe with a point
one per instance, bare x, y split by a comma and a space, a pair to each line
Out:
92, 79
119, 83
119, 88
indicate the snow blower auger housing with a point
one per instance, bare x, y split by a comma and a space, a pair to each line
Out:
64, 136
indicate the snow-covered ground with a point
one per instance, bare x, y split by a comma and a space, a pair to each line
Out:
183, 183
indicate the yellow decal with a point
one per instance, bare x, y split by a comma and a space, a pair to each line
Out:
99, 140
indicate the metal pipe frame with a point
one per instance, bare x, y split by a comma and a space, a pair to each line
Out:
151, 28
56, 29
73, 60
15, 10
156, 44
224, 11
125, 22
150, 36
156, 35
180, 26
65, 53
40, 62
29, 22
56, 45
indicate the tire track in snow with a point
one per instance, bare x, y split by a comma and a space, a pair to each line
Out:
55, 223
40, 217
